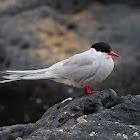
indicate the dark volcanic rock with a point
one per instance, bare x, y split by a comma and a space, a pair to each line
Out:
101, 116
13, 7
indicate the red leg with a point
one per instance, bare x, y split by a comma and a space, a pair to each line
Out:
89, 91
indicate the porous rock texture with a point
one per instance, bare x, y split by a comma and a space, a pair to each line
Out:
99, 116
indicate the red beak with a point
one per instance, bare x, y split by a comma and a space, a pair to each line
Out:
113, 54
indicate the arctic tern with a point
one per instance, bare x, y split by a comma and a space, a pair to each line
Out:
81, 70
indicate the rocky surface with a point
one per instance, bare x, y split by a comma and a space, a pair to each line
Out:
37, 34
102, 115
12, 7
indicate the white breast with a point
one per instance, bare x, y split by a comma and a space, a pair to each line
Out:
105, 69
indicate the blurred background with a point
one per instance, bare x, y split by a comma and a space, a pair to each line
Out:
38, 33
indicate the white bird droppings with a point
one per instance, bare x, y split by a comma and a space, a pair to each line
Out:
68, 99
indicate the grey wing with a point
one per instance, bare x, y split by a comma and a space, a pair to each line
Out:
77, 68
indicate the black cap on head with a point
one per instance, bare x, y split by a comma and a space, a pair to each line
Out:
102, 47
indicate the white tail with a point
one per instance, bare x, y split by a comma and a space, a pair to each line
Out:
26, 75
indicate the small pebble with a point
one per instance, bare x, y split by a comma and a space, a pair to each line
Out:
18, 138
81, 119
136, 134
93, 134
72, 115
132, 126
118, 134
125, 136
61, 130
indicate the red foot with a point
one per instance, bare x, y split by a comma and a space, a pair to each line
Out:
89, 91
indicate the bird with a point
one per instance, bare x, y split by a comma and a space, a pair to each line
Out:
80, 70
